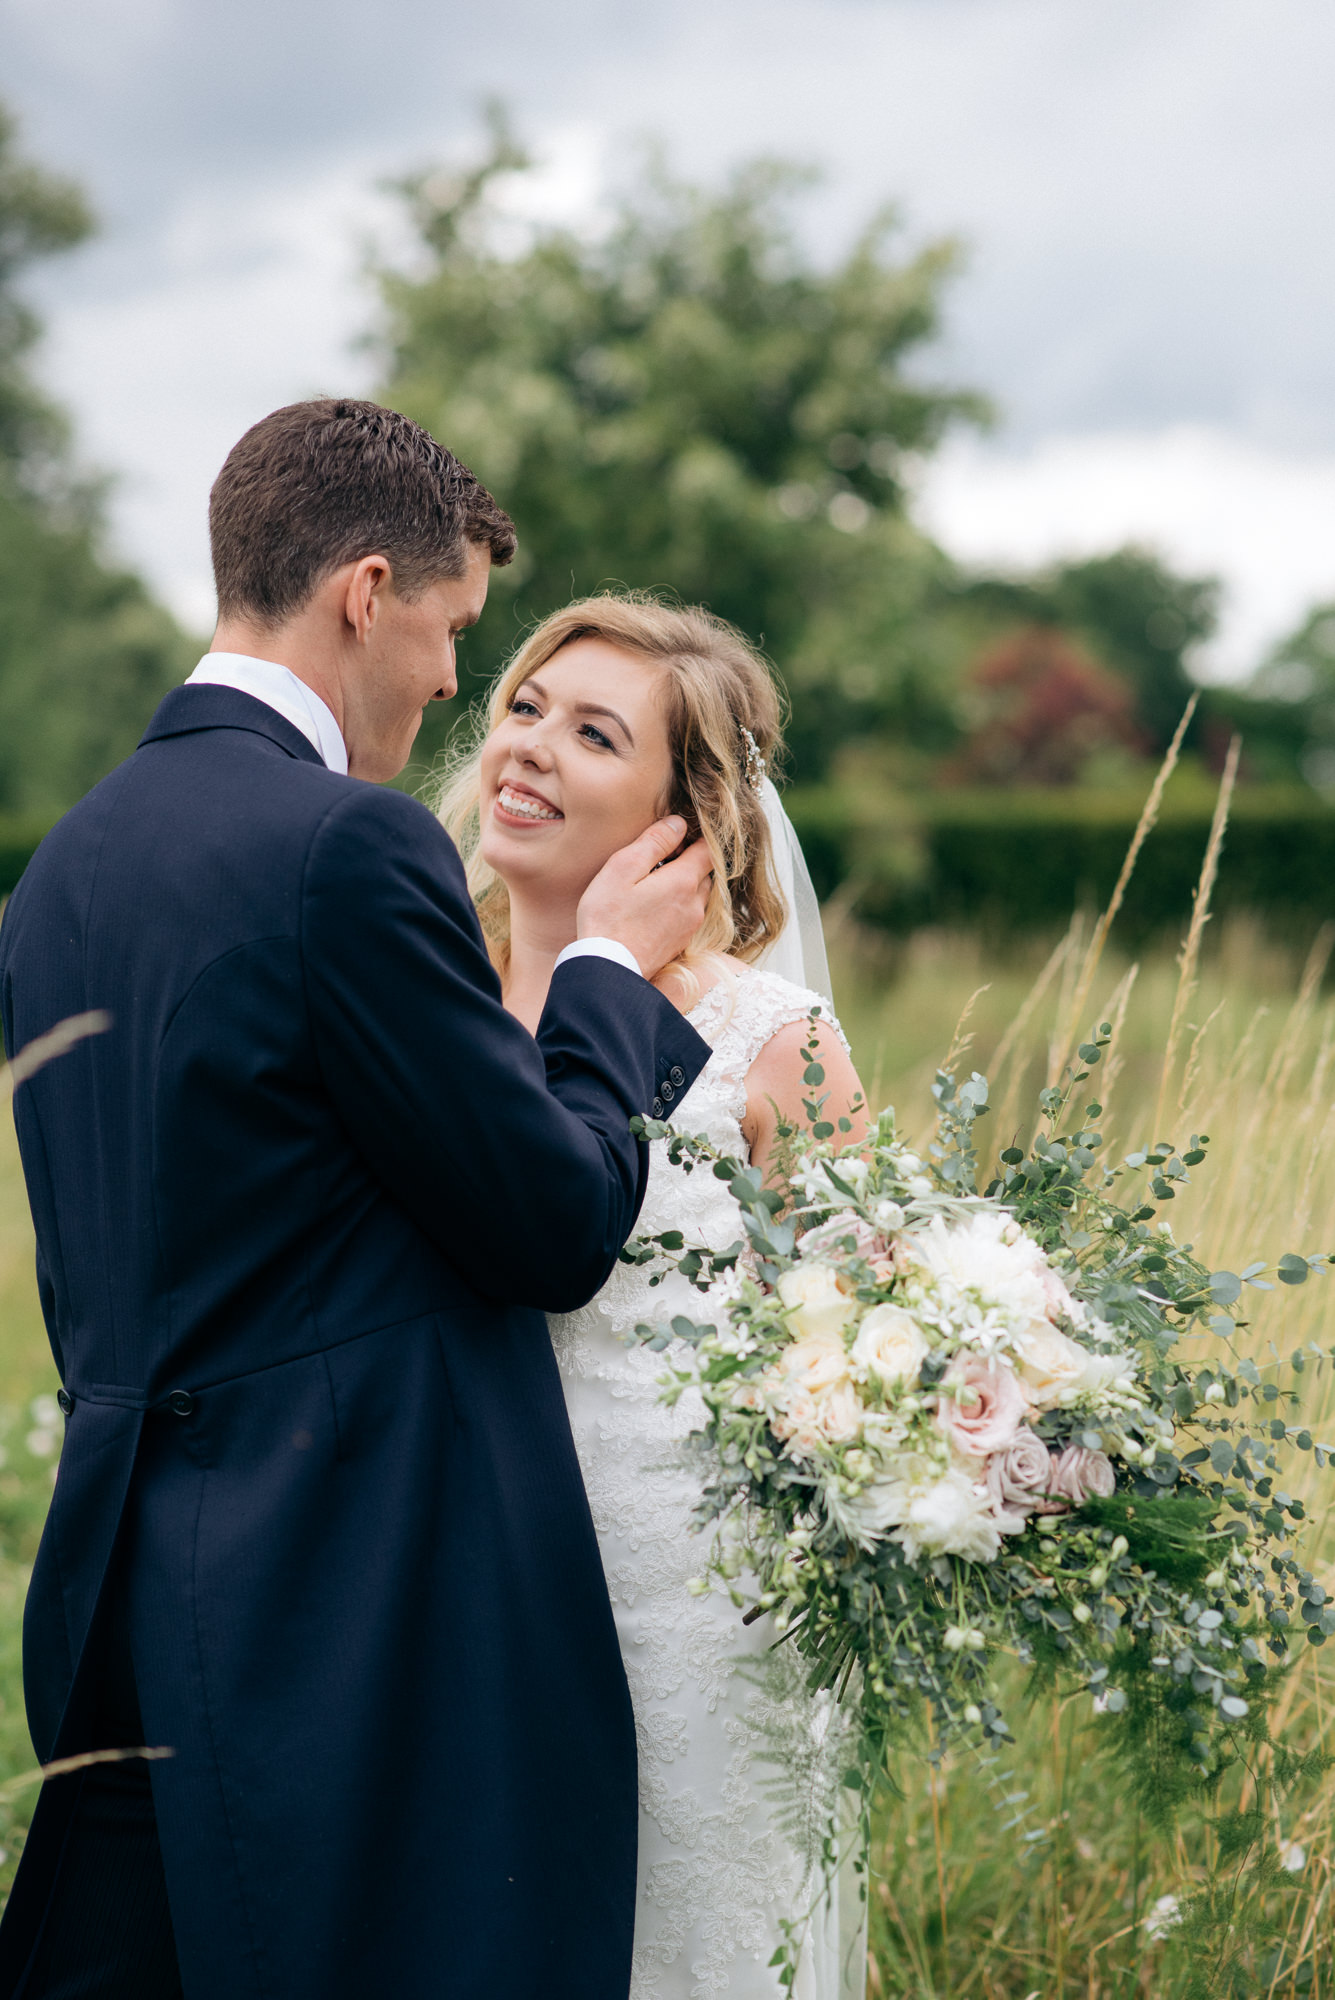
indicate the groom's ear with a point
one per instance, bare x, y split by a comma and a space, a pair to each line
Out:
366, 584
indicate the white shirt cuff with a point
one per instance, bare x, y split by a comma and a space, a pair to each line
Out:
596, 947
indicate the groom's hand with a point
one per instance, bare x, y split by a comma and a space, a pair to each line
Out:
650, 904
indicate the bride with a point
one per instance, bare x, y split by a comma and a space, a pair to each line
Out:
616, 710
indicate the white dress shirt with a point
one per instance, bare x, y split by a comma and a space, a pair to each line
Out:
278, 688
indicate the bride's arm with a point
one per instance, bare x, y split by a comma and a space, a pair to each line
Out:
775, 1090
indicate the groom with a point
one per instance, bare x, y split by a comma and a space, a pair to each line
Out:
319, 1529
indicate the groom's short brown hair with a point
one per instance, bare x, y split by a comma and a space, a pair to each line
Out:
324, 483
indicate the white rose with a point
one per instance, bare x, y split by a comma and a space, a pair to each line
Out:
817, 1364
952, 1517
1051, 1365
1056, 1370
891, 1344
840, 1413
888, 1217
817, 1304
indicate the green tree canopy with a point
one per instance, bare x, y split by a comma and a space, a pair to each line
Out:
84, 652
689, 402
1289, 702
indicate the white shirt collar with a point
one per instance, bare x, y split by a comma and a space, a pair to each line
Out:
278, 688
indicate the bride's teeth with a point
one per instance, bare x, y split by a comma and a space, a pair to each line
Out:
523, 807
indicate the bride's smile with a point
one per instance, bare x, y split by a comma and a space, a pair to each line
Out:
577, 767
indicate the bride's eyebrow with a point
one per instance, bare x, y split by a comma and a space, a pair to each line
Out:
593, 708
583, 708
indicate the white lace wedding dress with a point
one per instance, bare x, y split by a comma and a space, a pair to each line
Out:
739, 1766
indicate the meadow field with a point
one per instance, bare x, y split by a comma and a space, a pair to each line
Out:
1030, 1878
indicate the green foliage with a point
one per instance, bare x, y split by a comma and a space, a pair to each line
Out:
85, 654
1010, 861
689, 403
1293, 696
39, 214
1168, 1537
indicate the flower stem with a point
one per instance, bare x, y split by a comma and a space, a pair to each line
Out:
940, 1861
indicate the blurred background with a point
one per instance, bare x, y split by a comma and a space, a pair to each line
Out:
974, 354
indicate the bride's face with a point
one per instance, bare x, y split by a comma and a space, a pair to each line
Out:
578, 768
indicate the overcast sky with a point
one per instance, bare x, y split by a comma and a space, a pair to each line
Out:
1144, 186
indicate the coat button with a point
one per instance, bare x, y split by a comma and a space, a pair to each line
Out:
657, 1107
668, 1093
181, 1401
677, 1077
65, 1400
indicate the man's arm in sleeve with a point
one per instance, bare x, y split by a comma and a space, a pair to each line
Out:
514, 1156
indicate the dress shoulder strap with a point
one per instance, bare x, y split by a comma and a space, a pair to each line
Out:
740, 1015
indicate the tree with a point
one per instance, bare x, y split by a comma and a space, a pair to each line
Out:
1136, 615
1040, 709
688, 403
84, 652
1290, 702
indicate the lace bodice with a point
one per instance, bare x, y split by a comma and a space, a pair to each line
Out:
718, 1714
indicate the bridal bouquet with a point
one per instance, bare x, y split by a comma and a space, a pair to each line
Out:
943, 1426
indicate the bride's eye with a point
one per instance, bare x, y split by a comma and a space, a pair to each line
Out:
519, 706
593, 735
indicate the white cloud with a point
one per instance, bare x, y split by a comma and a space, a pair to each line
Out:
1210, 502
254, 305
1143, 189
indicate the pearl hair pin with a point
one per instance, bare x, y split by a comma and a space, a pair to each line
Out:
755, 764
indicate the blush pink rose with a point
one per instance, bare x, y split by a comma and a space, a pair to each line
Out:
827, 1236
1019, 1481
984, 1408
1079, 1474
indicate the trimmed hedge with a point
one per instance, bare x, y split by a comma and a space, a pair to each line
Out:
1022, 860
1011, 860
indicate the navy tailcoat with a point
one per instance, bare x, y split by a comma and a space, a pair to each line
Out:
296, 1214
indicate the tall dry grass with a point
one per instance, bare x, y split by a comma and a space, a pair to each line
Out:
1031, 1878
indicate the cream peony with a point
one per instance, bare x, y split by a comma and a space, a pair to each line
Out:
981, 1408
816, 1301
989, 1255
952, 1517
890, 1344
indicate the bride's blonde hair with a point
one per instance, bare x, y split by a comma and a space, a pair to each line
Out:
719, 692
